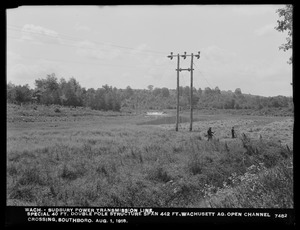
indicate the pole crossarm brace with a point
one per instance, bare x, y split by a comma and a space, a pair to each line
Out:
188, 69
191, 87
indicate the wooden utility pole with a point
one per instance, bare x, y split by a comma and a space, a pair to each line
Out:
191, 95
191, 89
177, 106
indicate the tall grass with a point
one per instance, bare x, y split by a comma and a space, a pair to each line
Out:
271, 188
109, 165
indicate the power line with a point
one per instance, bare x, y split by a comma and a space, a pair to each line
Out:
204, 77
85, 48
69, 45
197, 85
140, 67
136, 67
76, 39
60, 44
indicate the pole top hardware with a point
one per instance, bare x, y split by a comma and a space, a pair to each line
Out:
170, 56
184, 55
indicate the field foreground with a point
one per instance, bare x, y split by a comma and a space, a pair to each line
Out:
80, 157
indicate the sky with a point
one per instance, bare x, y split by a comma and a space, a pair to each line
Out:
128, 46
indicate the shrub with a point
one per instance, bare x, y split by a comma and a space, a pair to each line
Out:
71, 173
158, 173
31, 176
24, 193
195, 165
269, 188
12, 170
102, 170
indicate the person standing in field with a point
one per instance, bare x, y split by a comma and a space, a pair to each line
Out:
209, 134
232, 132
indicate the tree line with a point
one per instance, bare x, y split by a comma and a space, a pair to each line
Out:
50, 90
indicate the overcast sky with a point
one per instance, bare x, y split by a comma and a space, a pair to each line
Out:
128, 46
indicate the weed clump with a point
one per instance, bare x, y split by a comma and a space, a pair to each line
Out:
12, 170
159, 174
24, 193
195, 165
259, 187
71, 173
31, 176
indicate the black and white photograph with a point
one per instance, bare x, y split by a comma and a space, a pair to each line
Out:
120, 114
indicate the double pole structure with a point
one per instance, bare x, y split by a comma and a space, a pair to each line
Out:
191, 88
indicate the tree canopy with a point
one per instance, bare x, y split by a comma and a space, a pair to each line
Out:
285, 23
49, 91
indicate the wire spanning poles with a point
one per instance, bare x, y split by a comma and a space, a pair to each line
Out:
191, 88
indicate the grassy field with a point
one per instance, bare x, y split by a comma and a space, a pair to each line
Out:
80, 157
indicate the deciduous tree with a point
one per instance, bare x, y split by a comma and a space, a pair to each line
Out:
285, 23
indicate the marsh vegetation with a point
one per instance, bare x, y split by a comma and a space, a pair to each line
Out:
82, 157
